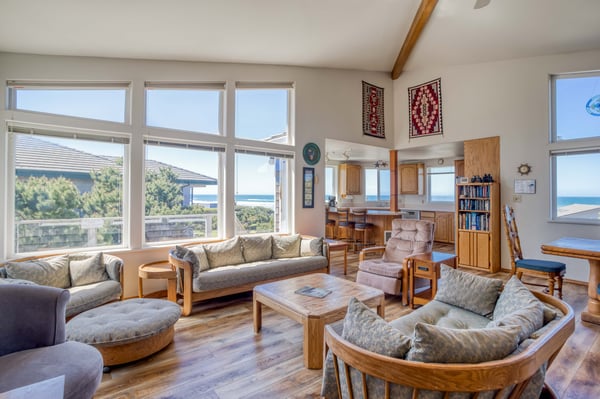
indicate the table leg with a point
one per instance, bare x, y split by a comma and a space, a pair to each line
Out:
257, 313
592, 314
345, 259
140, 287
313, 342
172, 289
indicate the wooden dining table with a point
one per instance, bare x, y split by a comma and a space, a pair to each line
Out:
585, 249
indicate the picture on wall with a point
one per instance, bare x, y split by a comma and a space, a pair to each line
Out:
425, 109
373, 123
308, 187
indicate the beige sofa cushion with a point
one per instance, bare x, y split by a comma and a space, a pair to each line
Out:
87, 269
48, 271
286, 246
225, 253
257, 247
311, 246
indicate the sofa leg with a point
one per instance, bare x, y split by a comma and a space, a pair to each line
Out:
106, 369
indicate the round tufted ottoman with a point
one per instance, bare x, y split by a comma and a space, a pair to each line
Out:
128, 330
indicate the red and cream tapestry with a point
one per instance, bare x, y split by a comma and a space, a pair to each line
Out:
425, 109
373, 110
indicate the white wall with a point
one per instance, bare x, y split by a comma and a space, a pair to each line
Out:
328, 104
509, 99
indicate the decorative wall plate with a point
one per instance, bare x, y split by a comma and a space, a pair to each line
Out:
524, 169
311, 153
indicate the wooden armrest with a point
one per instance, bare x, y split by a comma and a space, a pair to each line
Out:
369, 250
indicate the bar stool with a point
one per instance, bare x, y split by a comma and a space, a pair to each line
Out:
362, 229
345, 227
330, 228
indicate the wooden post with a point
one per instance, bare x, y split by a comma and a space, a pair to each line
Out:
393, 181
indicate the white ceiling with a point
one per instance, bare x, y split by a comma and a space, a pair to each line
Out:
352, 34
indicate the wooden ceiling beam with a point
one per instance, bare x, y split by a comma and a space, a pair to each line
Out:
418, 24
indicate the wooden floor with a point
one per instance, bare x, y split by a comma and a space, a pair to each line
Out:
215, 354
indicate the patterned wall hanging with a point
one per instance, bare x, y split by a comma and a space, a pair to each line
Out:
373, 124
425, 109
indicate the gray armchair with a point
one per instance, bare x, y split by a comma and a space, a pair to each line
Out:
390, 273
33, 347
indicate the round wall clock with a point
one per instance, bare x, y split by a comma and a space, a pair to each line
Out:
311, 153
524, 169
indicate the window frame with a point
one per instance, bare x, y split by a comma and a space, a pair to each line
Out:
566, 147
379, 170
13, 128
13, 86
429, 191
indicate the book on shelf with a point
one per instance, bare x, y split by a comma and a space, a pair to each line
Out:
315, 292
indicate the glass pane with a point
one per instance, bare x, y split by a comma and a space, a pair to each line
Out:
181, 194
261, 192
68, 193
577, 107
330, 190
371, 193
262, 114
103, 104
192, 110
441, 184
384, 185
578, 186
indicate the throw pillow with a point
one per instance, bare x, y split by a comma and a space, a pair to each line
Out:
257, 248
203, 264
364, 328
224, 253
434, 344
286, 246
468, 291
49, 271
85, 269
517, 306
311, 246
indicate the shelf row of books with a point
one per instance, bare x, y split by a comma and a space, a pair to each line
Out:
474, 205
474, 191
474, 221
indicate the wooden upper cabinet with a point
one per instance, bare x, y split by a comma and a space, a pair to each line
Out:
349, 179
411, 178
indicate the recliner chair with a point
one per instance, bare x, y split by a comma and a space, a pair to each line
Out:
33, 347
390, 273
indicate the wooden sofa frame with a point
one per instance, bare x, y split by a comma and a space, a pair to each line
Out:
510, 374
189, 297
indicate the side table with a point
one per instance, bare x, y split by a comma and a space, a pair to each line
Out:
339, 246
157, 270
427, 266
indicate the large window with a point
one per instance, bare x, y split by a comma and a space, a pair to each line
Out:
575, 153
103, 101
261, 192
440, 184
181, 191
262, 112
377, 185
185, 106
68, 190
330, 183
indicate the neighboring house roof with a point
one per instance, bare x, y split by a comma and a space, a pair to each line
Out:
52, 157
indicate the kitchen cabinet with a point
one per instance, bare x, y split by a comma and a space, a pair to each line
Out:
412, 177
444, 225
349, 179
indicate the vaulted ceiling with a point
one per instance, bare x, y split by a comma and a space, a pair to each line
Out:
349, 34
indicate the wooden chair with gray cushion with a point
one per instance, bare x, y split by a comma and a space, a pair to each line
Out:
552, 271
390, 273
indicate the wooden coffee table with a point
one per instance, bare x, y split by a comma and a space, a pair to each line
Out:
313, 313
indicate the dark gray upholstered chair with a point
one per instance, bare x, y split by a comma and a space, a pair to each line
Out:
33, 347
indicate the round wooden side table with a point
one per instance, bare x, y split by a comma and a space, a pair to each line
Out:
157, 270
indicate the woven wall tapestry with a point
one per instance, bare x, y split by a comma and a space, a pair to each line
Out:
425, 109
373, 124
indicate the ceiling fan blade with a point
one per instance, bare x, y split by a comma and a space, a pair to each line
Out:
481, 3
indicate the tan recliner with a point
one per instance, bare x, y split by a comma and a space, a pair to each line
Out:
390, 273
